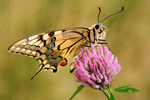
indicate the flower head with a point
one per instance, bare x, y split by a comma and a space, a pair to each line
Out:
96, 69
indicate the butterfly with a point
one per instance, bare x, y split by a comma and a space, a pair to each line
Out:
58, 48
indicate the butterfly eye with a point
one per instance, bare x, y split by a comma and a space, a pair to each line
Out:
97, 26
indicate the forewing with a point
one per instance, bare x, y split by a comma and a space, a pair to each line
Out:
30, 44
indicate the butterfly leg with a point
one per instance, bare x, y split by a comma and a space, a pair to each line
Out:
101, 41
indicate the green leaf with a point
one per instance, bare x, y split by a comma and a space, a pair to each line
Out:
122, 87
77, 91
125, 89
112, 97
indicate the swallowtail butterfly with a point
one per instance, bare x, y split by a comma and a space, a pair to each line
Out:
59, 47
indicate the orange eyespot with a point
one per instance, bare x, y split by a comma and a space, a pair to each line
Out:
63, 63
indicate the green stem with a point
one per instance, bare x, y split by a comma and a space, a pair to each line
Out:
106, 93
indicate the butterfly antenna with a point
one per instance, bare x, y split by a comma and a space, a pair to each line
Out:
99, 13
36, 73
112, 14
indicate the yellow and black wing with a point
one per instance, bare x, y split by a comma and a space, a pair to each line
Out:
54, 48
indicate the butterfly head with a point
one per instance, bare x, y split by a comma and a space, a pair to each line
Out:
100, 31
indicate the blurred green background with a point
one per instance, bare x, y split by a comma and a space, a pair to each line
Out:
128, 35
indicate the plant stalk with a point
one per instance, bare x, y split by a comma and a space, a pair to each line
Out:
106, 93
